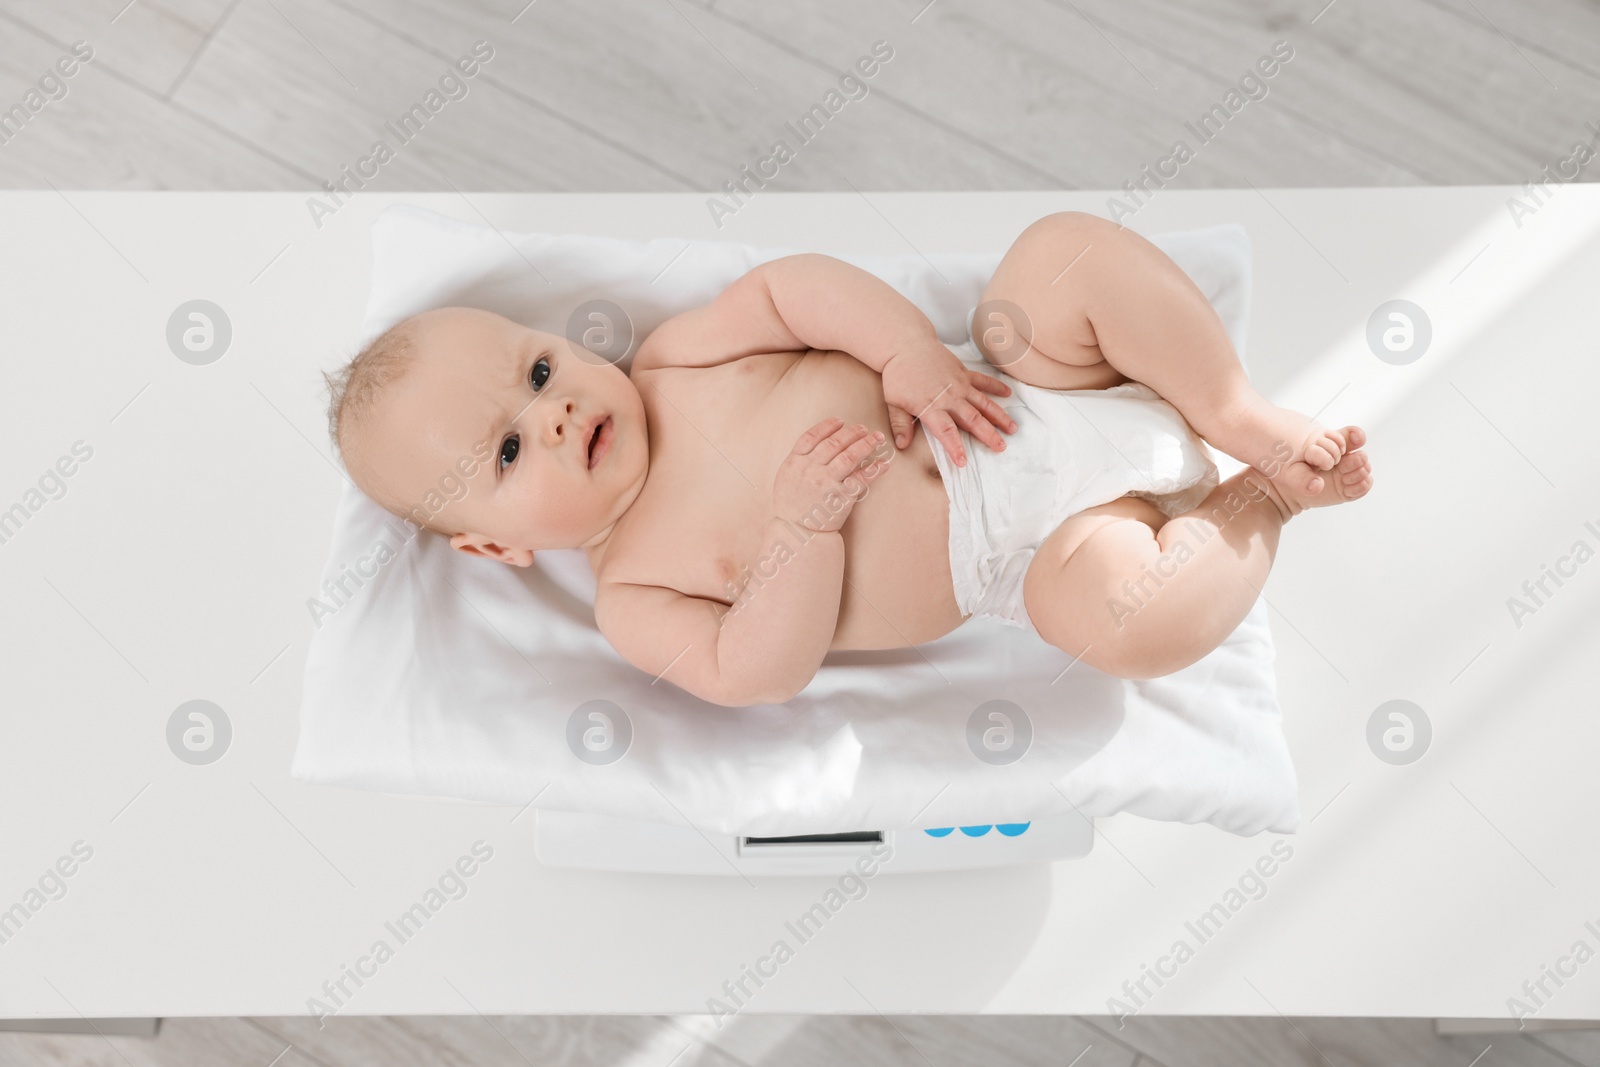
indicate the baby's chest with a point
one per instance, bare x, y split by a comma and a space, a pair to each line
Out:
694, 533
717, 438
748, 415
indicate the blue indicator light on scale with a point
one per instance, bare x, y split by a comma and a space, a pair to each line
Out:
1009, 829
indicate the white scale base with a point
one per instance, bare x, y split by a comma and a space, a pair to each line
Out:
607, 843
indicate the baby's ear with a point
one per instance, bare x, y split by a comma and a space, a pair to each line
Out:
479, 545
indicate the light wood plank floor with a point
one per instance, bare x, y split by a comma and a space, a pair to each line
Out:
800, 1041
652, 95
635, 96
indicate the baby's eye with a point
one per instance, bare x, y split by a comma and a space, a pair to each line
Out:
539, 374
508, 451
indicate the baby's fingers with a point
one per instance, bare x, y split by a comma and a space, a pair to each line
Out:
845, 463
978, 425
944, 428
836, 442
901, 424
993, 412
817, 434
992, 386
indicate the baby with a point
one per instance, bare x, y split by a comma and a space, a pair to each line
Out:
801, 466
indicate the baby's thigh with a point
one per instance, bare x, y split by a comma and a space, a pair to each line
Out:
1037, 369
1032, 321
1074, 585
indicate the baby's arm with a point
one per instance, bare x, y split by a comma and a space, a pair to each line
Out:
792, 304
817, 302
764, 653
768, 645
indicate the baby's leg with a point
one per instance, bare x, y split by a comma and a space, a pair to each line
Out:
1102, 305
1138, 595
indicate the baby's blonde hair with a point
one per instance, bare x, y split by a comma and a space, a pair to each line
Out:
353, 389
353, 392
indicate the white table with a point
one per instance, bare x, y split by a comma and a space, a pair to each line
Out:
178, 562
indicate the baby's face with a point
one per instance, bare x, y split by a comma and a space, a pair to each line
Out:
525, 444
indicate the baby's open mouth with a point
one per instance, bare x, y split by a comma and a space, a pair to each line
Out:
600, 441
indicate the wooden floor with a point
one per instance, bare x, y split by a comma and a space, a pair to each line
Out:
679, 95
799, 1041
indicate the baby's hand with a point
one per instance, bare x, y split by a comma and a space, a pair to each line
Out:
931, 384
820, 481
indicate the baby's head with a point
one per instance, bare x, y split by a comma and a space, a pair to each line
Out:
505, 439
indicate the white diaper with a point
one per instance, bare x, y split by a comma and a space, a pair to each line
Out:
1073, 449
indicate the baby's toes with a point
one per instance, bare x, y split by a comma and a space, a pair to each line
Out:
1355, 475
1355, 464
1301, 479
1325, 449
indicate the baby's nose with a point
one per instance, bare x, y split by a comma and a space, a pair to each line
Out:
559, 424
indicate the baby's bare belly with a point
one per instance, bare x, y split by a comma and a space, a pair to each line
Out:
897, 588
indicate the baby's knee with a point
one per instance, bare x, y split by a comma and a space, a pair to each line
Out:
1071, 586
1142, 657
1090, 593
1077, 226
1104, 635
1121, 648
1033, 265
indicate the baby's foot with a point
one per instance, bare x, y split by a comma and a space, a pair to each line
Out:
1284, 445
1350, 479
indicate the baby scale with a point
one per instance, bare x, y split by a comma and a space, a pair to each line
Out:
608, 843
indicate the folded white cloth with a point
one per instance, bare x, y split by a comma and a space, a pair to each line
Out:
434, 672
